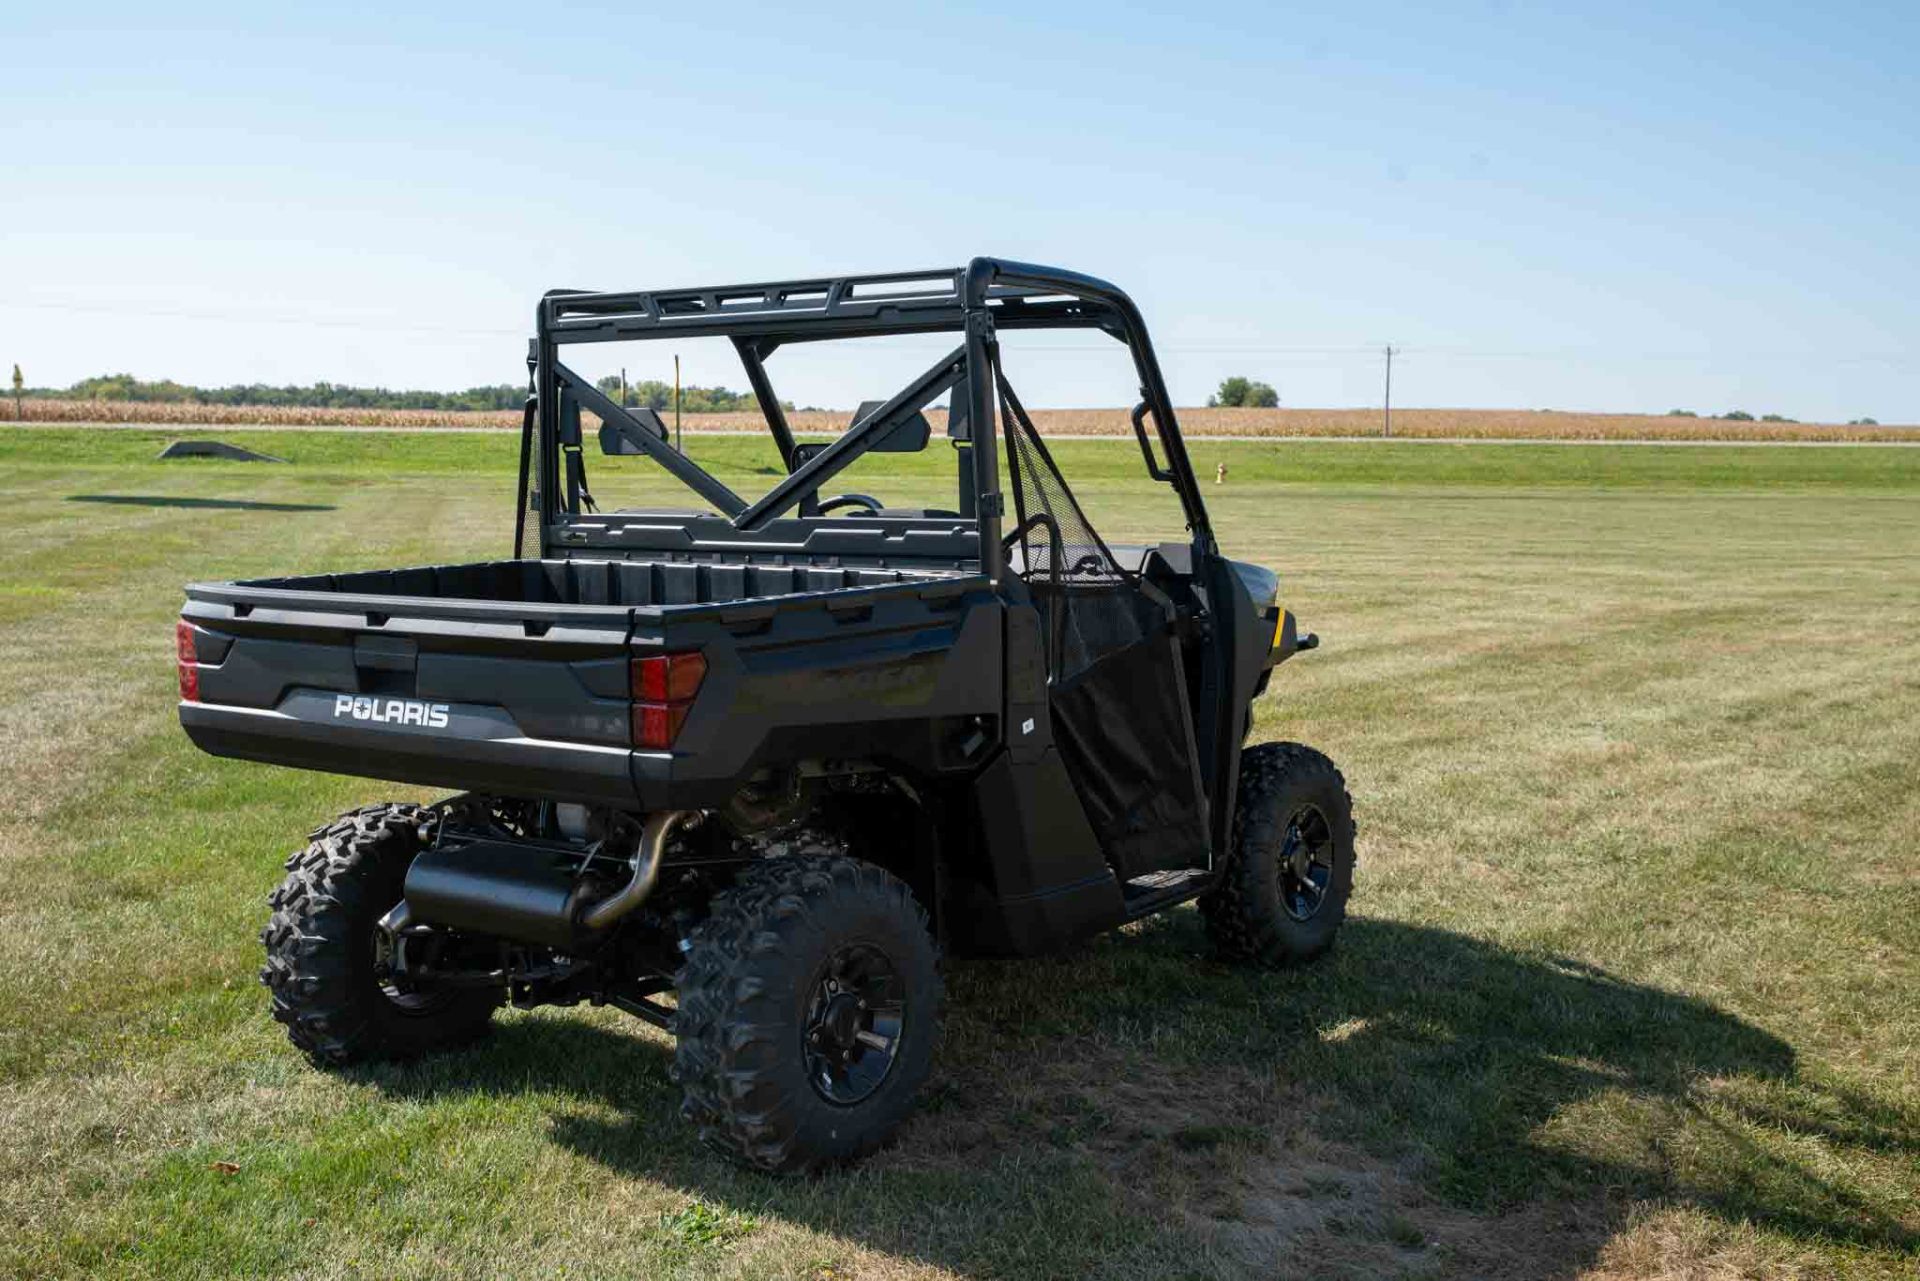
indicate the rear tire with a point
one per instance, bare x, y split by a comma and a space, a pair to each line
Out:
1283, 893
809, 1008
321, 943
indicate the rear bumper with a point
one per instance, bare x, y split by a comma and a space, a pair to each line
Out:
506, 763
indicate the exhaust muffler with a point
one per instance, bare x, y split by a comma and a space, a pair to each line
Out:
529, 894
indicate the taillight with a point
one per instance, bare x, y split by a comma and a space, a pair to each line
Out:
189, 661
664, 686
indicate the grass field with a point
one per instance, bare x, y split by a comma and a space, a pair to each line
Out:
1631, 987
1472, 424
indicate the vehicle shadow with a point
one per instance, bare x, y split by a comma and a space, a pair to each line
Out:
211, 504
1113, 1110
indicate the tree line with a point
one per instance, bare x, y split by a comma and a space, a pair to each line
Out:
320, 395
651, 394
1742, 416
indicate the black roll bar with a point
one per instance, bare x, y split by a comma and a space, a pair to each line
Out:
986, 274
979, 299
530, 411
983, 429
753, 354
838, 456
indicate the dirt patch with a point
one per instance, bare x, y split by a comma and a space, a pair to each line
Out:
1235, 1159
1324, 1209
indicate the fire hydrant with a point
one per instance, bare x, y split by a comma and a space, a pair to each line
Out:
1220, 474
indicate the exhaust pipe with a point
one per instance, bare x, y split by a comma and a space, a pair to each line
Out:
519, 892
647, 856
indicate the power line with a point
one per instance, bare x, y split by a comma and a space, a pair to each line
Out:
1355, 352
250, 318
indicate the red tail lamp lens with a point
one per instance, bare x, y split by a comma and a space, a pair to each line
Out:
664, 686
668, 678
189, 661
656, 725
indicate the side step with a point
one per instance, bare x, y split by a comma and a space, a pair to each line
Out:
1145, 895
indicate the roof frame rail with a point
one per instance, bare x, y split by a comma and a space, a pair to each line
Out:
816, 308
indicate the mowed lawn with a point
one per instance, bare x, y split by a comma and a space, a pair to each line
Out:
1631, 985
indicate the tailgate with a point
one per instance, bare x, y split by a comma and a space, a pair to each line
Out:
522, 698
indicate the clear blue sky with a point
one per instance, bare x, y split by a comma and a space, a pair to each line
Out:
1623, 207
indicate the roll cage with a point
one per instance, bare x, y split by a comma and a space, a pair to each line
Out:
975, 301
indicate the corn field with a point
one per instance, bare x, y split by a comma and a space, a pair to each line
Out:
1462, 424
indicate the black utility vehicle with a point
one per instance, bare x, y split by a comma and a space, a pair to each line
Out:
773, 756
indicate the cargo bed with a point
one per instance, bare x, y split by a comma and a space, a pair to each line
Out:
616, 583
514, 675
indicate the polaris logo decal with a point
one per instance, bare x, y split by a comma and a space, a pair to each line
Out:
391, 711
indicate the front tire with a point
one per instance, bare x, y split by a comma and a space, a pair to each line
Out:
321, 946
1283, 893
809, 1008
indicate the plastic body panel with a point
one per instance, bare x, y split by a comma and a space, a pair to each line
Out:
507, 764
530, 696
1240, 600
900, 676
1042, 881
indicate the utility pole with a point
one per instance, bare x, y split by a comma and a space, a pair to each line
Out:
623, 387
1387, 403
676, 404
18, 383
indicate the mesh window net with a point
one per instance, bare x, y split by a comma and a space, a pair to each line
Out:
1090, 605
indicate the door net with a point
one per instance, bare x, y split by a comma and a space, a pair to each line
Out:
1116, 694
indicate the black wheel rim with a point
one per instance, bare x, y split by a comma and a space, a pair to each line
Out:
1306, 863
855, 1015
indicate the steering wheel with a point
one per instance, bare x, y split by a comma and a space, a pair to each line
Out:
872, 504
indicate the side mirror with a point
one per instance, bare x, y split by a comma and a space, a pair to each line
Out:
618, 438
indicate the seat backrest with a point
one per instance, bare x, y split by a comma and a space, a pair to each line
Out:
910, 437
